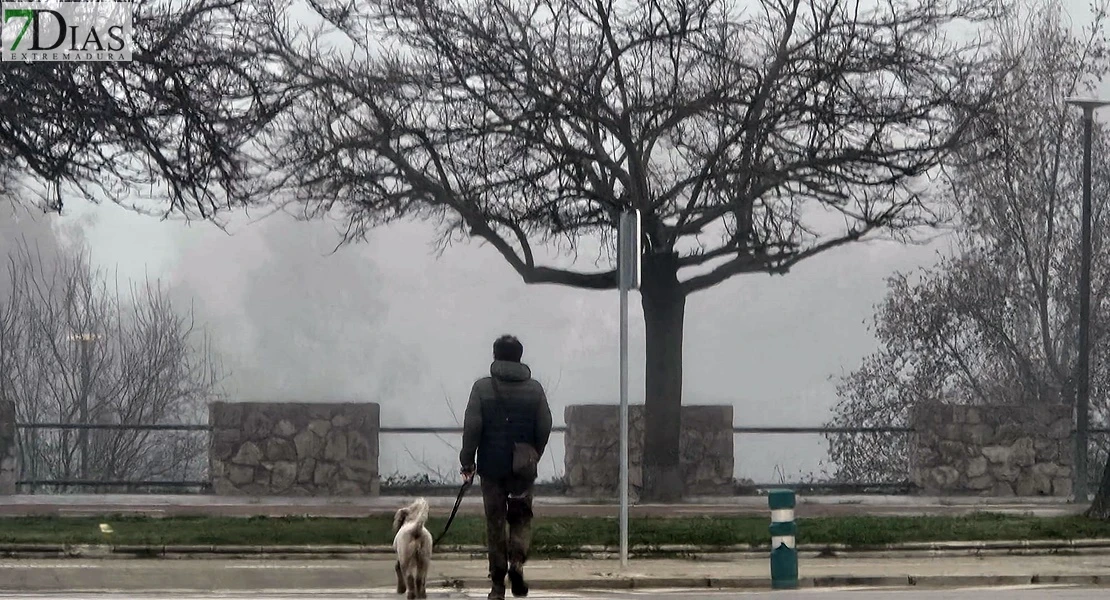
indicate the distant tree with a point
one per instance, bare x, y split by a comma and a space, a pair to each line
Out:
750, 138
167, 132
75, 349
997, 321
298, 339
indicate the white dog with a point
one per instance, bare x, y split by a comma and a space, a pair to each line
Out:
413, 544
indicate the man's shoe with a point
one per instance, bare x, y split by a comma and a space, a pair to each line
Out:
516, 578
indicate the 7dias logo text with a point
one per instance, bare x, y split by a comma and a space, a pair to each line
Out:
65, 31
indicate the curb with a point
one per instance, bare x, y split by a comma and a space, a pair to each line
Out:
827, 581
680, 583
739, 551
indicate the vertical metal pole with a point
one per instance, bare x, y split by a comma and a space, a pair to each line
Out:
624, 427
1083, 384
34, 435
83, 435
626, 275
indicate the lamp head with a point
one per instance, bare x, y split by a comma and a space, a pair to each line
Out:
1087, 104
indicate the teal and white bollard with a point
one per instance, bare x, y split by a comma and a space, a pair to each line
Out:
784, 535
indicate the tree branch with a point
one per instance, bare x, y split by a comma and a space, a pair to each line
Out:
531, 273
778, 264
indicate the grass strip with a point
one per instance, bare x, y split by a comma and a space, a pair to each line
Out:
550, 534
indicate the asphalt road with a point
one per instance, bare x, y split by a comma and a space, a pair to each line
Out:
1008, 593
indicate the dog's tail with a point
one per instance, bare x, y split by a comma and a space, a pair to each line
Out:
418, 513
399, 519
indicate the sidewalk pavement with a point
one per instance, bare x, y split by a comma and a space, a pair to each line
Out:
123, 575
808, 506
1093, 546
755, 573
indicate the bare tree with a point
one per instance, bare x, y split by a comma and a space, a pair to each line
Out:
168, 132
750, 138
171, 125
997, 322
75, 349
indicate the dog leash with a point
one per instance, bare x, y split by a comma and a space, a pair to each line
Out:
454, 511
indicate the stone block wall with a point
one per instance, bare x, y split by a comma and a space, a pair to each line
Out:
998, 450
294, 449
9, 463
592, 458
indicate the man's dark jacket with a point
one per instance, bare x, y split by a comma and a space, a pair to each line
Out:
493, 425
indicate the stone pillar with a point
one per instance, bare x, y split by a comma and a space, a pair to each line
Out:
592, 457
9, 461
996, 450
294, 449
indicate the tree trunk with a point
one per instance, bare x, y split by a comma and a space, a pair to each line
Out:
1100, 507
664, 309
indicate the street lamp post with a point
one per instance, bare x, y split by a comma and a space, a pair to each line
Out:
1082, 370
83, 434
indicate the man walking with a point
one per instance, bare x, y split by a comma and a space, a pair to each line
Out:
508, 424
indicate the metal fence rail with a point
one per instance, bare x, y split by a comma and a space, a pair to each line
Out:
838, 487
33, 481
769, 430
817, 430
453, 429
133, 483
118, 426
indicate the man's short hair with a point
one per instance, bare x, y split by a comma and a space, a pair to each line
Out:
508, 348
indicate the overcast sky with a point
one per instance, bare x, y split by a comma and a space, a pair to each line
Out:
388, 321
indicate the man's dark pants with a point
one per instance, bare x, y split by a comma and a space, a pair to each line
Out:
508, 501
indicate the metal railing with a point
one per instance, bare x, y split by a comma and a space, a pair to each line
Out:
455, 429
735, 430
200, 485
117, 426
827, 487
130, 485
